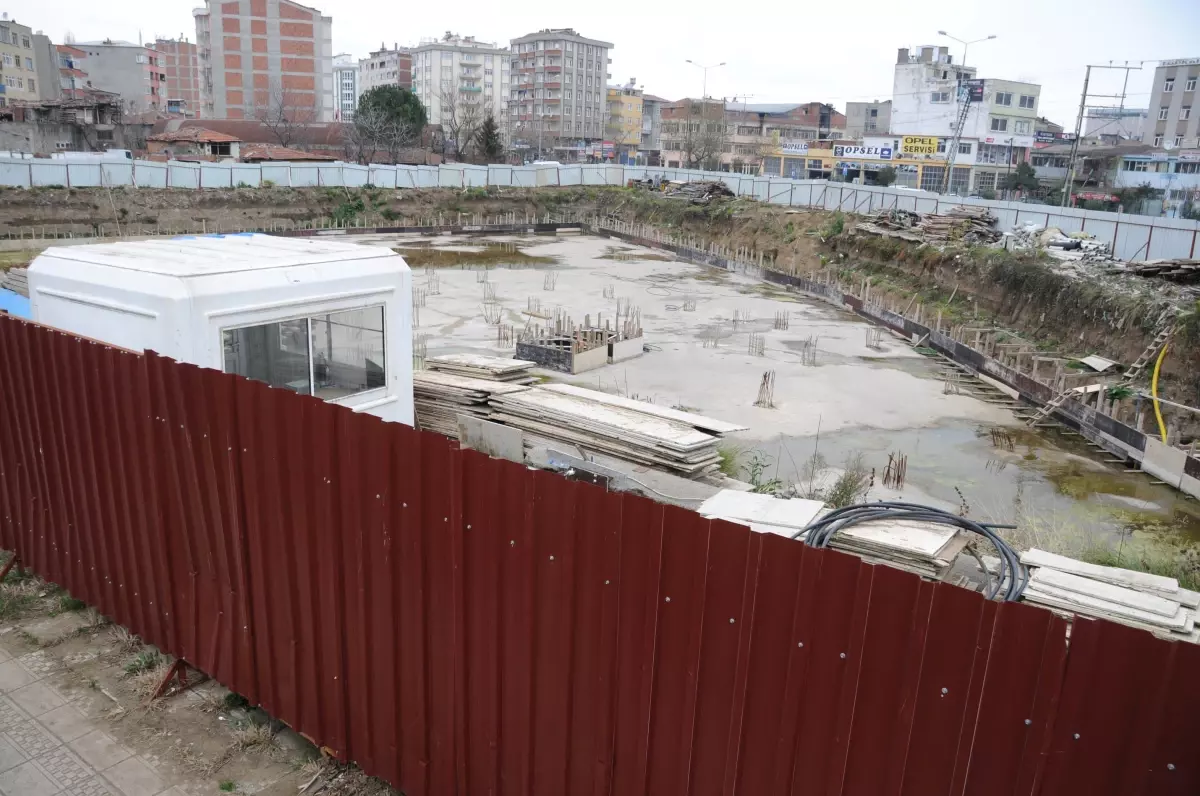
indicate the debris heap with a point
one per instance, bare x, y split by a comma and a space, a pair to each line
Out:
699, 193
1183, 271
973, 225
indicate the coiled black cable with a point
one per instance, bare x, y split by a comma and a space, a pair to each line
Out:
1012, 578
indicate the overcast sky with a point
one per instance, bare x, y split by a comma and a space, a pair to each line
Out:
774, 51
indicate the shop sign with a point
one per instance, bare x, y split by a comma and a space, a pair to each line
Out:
855, 151
919, 145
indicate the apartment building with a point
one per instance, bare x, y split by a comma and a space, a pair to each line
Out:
651, 143
264, 59
134, 71
868, 118
460, 80
624, 129
928, 93
386, 67
18, 67
181, 64
345, 86
72, 80
1174, 113
559, 92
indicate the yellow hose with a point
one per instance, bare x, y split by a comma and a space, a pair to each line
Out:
1162, 429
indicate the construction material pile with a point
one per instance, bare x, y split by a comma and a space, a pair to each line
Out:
480, 366
1061, 245
893, 223
698, 193
962, 224
596, 422
1139, 599
1183, 271
439, 398
16, 280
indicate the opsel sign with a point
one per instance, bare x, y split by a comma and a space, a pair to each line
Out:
851, 151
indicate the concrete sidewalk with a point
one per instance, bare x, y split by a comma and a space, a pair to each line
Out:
48, 747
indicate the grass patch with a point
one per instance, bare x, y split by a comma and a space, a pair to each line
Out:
490, 254
15, 604
144, 661
227, 786
728, 464
17, 259
1183, 564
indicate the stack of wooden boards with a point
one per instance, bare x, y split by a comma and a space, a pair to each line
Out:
964, 224
925, 548
16, 280
597, 422
1180, 270
481, 366
497, 389
1140, 599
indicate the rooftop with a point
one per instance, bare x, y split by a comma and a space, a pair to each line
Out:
258, 152
197, 135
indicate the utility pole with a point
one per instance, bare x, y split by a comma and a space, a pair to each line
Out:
1068, 186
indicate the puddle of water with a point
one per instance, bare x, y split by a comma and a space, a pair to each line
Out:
1039, 475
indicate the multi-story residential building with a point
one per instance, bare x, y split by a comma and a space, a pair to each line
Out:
927, 96
1174, 119
134, 71
868, 118
1117, 124
461, 81
559, 92
624, 129
345, 85
181, 63
266, 59
18, 67
73, 80
651, 143
45, 63
386, 67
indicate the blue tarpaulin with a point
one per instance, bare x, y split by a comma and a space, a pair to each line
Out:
15, 304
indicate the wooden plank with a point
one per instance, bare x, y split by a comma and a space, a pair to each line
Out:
1167, 587
1105, 591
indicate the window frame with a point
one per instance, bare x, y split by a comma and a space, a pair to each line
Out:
1006, 102
1002, 122
308, 317
1032, 101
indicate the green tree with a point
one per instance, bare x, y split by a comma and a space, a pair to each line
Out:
1022, 178
885, 176
395, 104
488, 142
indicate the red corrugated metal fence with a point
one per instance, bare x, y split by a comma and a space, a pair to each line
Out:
462, 625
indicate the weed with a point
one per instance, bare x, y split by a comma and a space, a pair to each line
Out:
729, 460
253, 736
234, 701
835, 227
389, 214
348, 210
227, 786
267, 183
475, 193
68, 603
852, 485
243, 185
14, 604
126, 641
755, 467
145, 660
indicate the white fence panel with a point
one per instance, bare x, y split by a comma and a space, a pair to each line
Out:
116, 173
383, 176
779, 192
247, 174
451, 176
330, 175
407, 177
150, 175
614, 175
276, 174
475, 176
304, 175
1133, 239
636, 173
355, 176
216, 176
14, 174
570, 175
49, 173
524, 176
593, 175
500, 175
183, 175
427, 176
548, 175
1171, 235
85, 175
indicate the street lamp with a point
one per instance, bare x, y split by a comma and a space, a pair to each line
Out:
704, 90
965, 44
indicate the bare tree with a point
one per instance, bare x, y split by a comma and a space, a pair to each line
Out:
374, 132
287, 114
706, 135
461, 117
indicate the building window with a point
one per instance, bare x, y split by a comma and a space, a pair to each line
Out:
1190, 85
1168, 85
931, 178
1135, 165
939, 96
1187, 168
999, 125
1162, 112
1185, 113
1022, 127
32, 84
1158, 139
1178, 140
25, 42
330, 356
1004, 98
964, 147
941, 146
29, 64
1027, 101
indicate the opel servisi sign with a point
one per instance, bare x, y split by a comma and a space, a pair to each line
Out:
865, 152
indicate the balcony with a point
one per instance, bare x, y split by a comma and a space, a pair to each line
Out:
472, 89
555, 68
552, 84
552, 52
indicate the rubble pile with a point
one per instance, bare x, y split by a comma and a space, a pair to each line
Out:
1183, 271
699, 193
973, 225
1063, 245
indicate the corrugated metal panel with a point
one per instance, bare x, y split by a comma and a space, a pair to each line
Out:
459, 624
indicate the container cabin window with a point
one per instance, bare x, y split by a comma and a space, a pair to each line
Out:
330, 356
